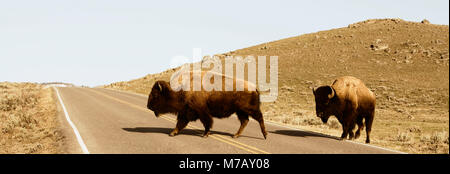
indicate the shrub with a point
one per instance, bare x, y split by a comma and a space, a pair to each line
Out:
403, 137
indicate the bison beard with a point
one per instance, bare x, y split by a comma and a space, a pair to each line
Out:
203, 105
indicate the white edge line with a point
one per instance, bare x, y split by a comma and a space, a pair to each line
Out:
289, 127
75, 130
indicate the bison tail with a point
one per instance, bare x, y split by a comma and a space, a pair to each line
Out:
255, 99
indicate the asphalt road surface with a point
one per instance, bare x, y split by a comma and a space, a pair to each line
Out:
109, 121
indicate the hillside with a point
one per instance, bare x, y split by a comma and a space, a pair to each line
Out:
405, 63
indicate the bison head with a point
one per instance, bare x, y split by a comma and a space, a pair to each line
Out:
323, 96
159, 99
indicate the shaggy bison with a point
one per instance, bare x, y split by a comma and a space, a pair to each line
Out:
191, 105
350, 101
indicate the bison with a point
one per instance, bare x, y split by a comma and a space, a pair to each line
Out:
350, 101
191, 105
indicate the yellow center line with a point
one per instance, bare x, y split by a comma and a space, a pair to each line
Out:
222, 137
229, 141
245, 145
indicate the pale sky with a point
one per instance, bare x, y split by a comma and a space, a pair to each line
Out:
97, 42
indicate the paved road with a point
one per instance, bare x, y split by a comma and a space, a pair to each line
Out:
110, 121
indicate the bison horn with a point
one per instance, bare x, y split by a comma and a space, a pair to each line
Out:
331, 95
159, 86
314, 90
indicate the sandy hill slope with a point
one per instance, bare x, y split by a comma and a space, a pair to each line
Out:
405, 63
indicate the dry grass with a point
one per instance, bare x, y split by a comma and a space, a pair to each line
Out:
406, 64
28, 122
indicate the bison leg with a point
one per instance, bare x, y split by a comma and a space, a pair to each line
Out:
344, 132
369, 121
348, 124
344, 129
181, 124
351, 135
259, 117
347, 131
359, 121
207, 122
243, 118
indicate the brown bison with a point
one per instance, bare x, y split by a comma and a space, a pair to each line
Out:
350, 101
191, 105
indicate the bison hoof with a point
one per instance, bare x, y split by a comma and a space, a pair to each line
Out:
367, 141
265, 136
205, 135
235, 136
172, 134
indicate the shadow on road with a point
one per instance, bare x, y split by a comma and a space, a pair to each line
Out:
299, 133
167, 131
